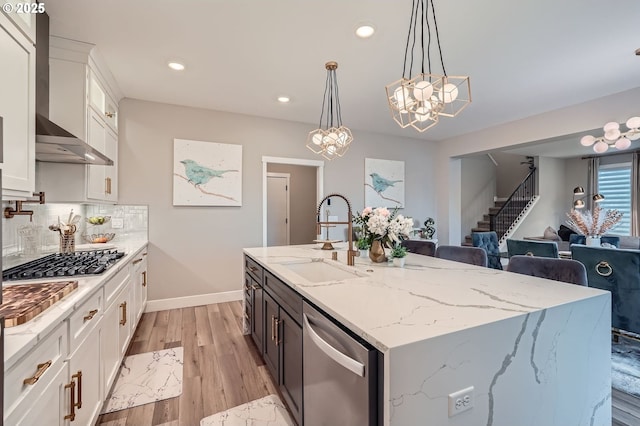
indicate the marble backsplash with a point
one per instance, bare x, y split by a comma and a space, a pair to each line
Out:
31, 238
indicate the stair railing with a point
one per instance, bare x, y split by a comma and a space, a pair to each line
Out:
501, 221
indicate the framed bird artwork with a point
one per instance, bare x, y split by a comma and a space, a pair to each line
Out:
206, 173
383, 183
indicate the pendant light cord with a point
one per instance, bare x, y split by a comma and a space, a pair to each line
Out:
435, 23
419, 9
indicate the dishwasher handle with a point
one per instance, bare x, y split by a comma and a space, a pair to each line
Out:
342, 359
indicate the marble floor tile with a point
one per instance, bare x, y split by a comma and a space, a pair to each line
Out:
146, 378
267, 411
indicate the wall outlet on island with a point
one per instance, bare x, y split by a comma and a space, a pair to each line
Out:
117, 223
460, 401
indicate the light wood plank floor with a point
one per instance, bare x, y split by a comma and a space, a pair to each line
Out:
222, 368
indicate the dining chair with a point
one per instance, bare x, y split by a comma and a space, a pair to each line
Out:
489, 242
532, 248
582, 239
565, 270
618, 271
425, 248
464, 254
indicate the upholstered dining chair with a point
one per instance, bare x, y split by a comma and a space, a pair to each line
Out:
489, 242
425, 248
532, 248
618, 271
464, 254
565, 270
608, 239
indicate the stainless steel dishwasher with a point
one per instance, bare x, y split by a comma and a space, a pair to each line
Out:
339, 374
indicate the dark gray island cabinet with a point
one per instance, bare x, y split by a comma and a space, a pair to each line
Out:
273, 313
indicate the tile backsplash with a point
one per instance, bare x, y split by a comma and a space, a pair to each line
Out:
20, 236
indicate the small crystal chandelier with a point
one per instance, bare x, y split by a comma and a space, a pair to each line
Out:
332, 141
613, 136
420, 101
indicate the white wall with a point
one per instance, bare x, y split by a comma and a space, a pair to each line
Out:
588, 115
198, 250
478, 190
509, 172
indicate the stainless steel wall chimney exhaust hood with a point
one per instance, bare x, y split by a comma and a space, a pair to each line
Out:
53, 143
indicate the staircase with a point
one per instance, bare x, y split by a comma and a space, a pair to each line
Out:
505, 216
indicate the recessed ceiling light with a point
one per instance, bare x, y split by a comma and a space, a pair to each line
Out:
283, 99
177, 66
365, 31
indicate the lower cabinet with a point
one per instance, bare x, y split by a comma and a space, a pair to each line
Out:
283, 353
115, 334
84, 369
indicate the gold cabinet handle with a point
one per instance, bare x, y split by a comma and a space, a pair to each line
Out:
109, 114
144, 254
278, 322
106, 186
123, 320
41, 369
109, 184
253, 269
72, 415
92, 313
135, 262
144, 278
78, 376
255, 287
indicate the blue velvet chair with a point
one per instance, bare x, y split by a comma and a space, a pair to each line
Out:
581, 239
532, 248
464, 254
425, 248
489, 242
565, 270
618, 271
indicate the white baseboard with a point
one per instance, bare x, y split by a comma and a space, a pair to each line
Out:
189, 301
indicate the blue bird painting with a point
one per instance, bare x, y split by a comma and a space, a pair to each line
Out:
381, 184
199, 175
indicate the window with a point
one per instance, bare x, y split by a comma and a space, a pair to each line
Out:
614, 182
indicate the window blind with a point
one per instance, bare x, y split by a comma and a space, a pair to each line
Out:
614, 182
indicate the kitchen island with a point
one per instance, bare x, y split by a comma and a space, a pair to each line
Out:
536, 352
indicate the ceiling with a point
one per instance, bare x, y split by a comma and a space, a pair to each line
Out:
523, 57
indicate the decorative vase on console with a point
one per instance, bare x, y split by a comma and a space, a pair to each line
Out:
592, 240
376, 252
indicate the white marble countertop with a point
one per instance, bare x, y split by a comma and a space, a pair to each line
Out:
21, 339
390, 307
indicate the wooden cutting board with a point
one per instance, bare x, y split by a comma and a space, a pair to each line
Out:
22, 302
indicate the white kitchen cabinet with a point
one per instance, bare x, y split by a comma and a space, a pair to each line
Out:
84, 368
23, 15
83, 100
17, 109
50, 406
139, 284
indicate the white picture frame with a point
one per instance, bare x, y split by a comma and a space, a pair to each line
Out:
206, 173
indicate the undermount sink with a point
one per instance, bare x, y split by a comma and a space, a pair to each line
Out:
318, 271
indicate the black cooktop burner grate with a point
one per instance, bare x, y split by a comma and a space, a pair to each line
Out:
93, 262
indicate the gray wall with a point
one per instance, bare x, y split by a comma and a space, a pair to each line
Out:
302, 199
198, 250
509, 172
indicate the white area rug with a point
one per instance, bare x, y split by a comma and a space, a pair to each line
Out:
267, 411
146, 378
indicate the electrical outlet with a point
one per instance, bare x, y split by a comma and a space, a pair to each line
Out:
117, 223
460, 401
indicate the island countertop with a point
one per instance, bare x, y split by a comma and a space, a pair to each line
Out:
391, 307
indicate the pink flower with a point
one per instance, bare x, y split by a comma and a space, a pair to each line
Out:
366, 212
382, 211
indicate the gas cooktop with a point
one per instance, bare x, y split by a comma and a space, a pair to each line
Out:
93, 262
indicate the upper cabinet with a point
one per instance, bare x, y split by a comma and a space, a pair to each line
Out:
83, 99
17, 108
23, 15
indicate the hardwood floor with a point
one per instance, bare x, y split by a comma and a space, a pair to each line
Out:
221, 366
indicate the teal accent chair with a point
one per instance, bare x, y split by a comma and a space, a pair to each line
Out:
565, 270
618, 271
532, 248
464, 254
489, 242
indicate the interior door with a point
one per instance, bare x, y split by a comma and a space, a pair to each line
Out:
278, 209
